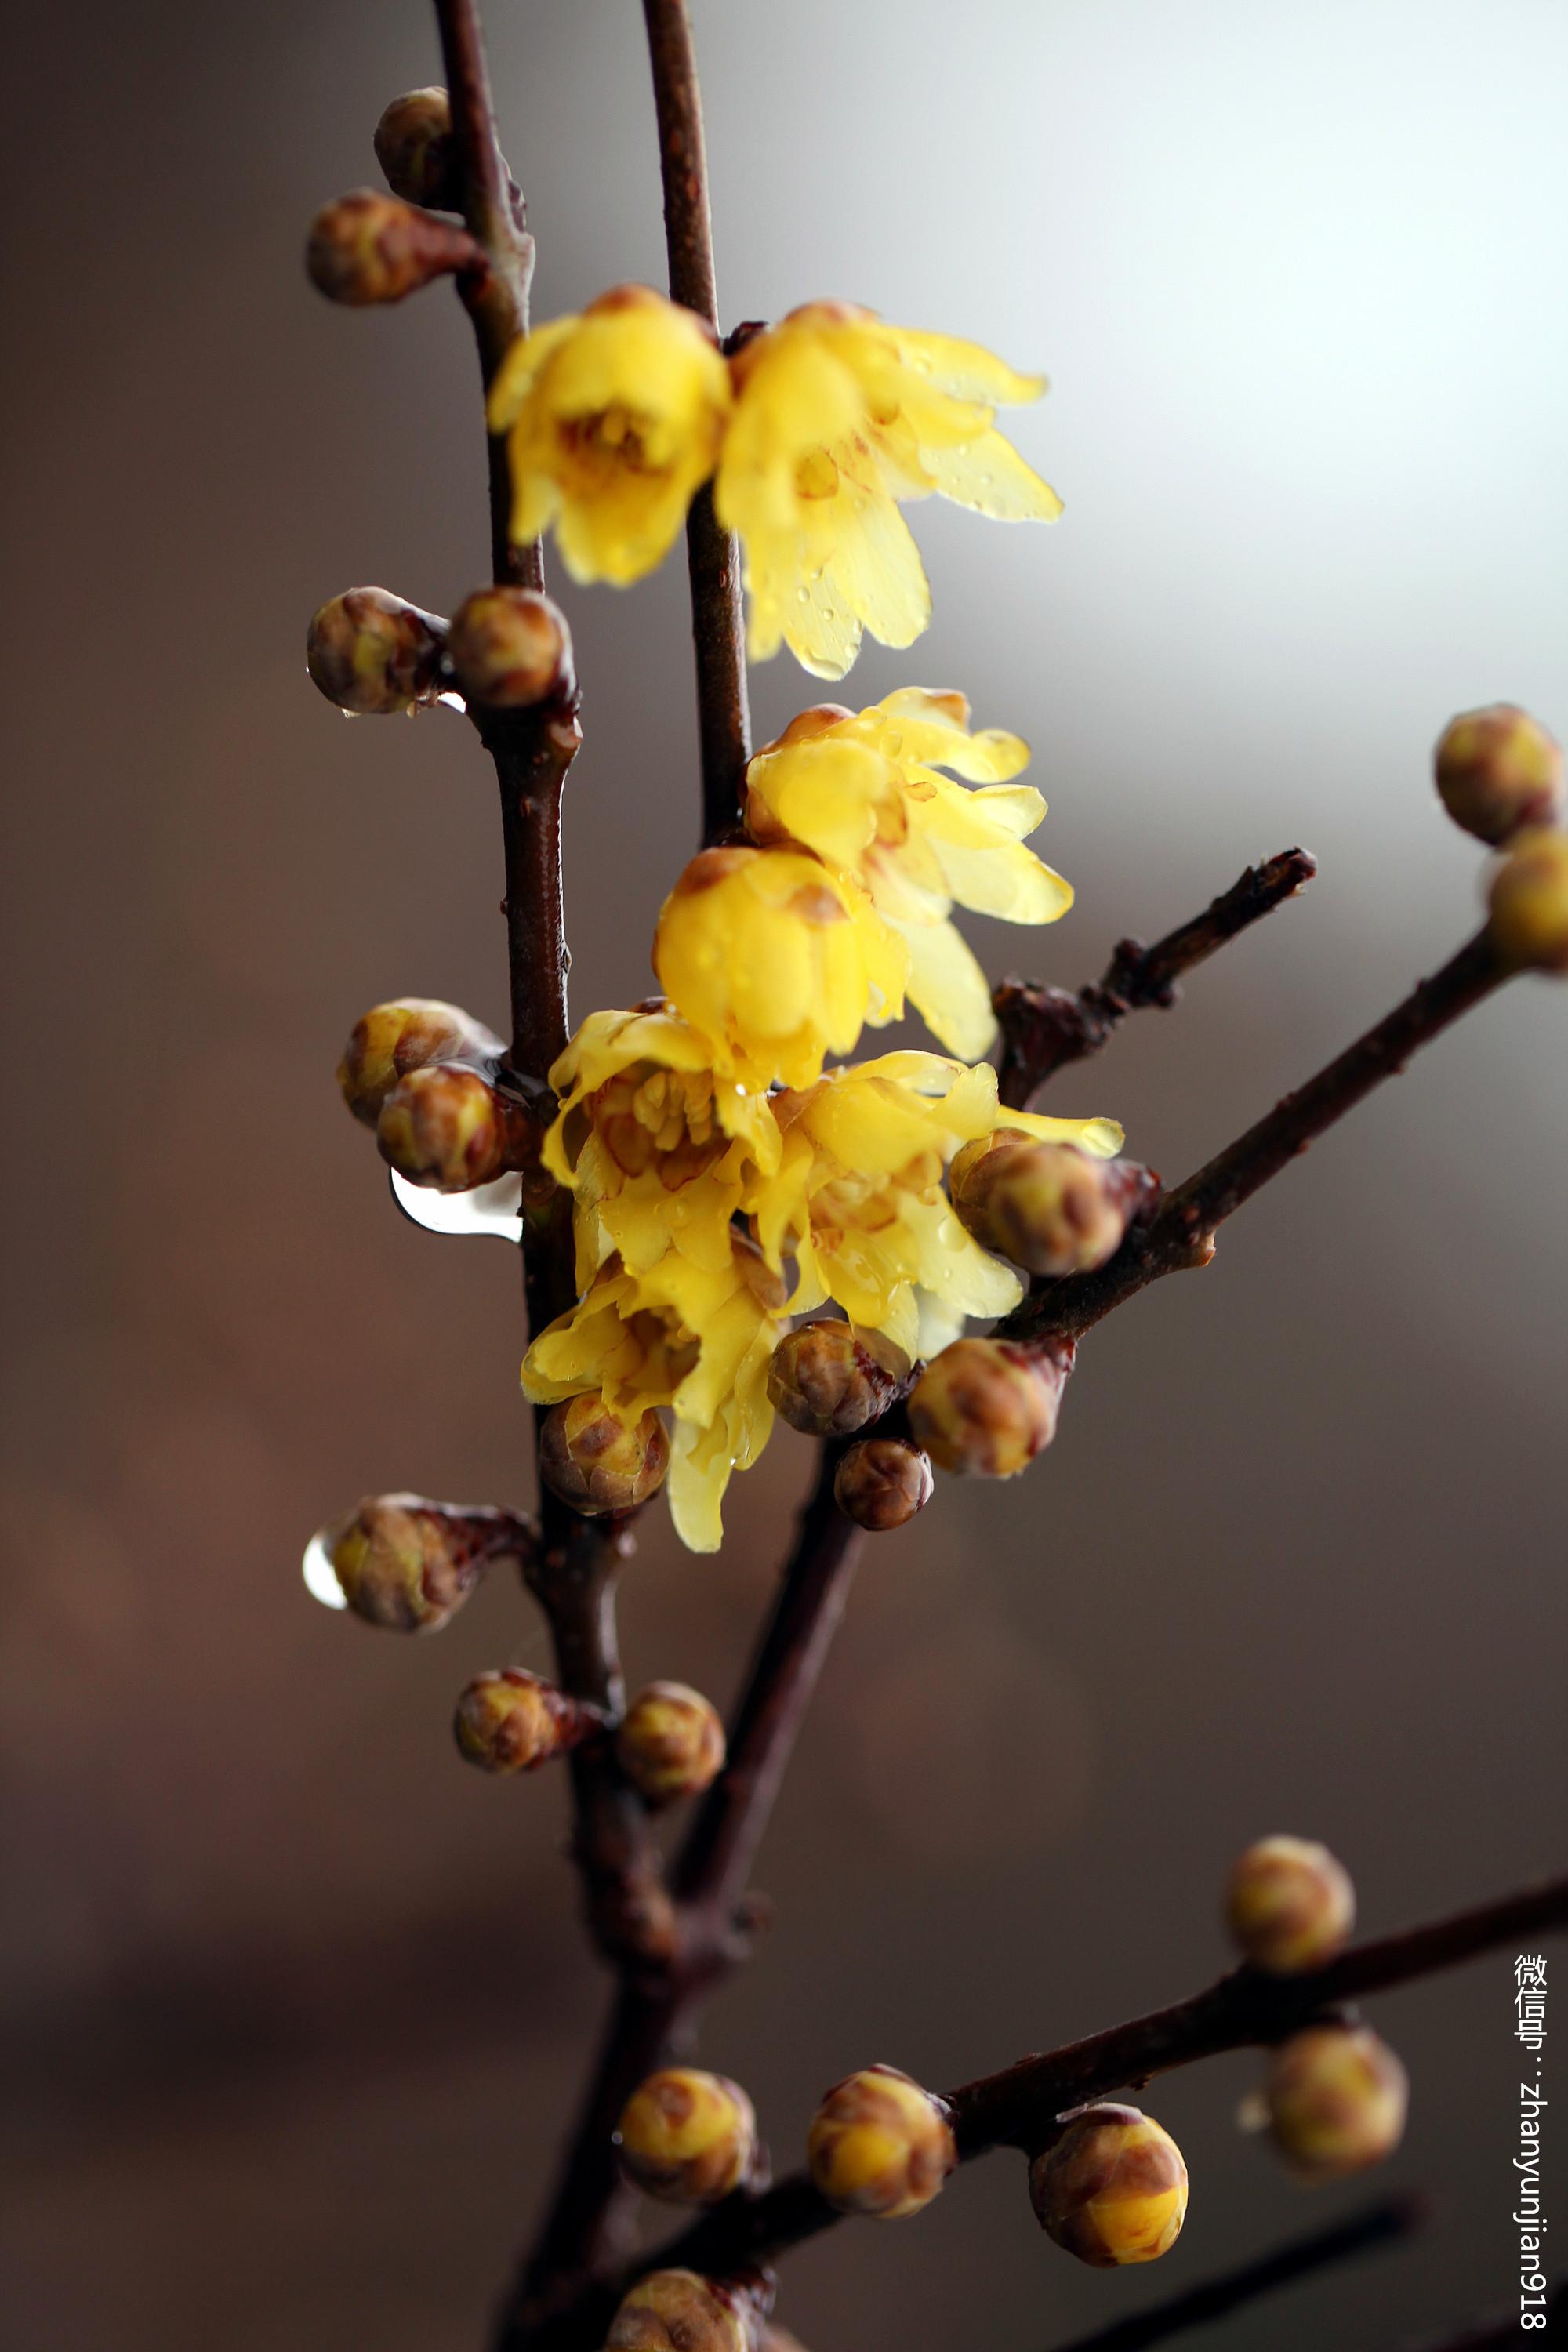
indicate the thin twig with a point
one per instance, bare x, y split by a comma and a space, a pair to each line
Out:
1044, 1029
1368, 2231
1180, 1233
718, 619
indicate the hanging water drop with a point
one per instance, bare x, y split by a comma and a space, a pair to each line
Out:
494, 1208
320, 1577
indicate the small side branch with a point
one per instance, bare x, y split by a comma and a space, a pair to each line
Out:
1044, 1029
1180, 1233
718, 619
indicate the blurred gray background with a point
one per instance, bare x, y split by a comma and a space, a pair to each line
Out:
298, 2004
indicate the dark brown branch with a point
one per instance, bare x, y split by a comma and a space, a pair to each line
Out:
1490, 2335
1180, 1233
718, 619
1043, 1029
1015, 2108
1377, 2226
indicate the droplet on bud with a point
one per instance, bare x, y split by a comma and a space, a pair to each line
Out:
1530, 902
827, 1380
984, 1408
409, 1564
881, 1483
367, 248
671, 1743
375, 654
1289, 1904
687, 2137
415, 149
390, 1040
1337, 2100
511, 1721
1049, 1207
447, 1126
595, 1462
510, 649
1112, 2188
1499, 771
880, 2145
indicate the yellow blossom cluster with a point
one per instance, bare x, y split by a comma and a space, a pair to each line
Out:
812, 433
723, 1177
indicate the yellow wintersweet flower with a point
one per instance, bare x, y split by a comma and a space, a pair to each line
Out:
681, 1334
776, 959
614, 421
658, 1147
862, 790
859, 1202
838, 416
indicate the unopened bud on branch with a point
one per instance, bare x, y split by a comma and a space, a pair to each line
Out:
880, 2145
1048, 1206
828, 1380
1112, 2188
671, 1743
410, 1564
374, 654
510, 649
881, 1483
366, 248
1337, 2097
686, 2136
512, 1721
391, 1040
415, 148
595, 1462
1289, 1904
1530, 902
677, 2311
1499, 771
445, 1125
984, 1408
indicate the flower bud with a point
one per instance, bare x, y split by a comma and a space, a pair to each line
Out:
374, 654
828, 1380
1499, 771
413, 147
1336, 2096
687, 2137
1049, 1207
671, 1743
676, 2311
509, 649
881, 1483
366, 248
1530, 902
511, 1721
409, 1564
1289, 1904
1112, 2188
447, 1126
879, 2144
595, 1462
984, 1408
390, 1040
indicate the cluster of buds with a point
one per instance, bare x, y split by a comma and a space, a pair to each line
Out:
1110, 2187
1049, 1207
880, 2145
593, 1462
687, 2137
670, 1743
409, 1564
512, 1721
423, 1074
1289, 1904
1500, 775
984, 1408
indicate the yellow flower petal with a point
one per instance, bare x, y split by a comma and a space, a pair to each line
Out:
949, 989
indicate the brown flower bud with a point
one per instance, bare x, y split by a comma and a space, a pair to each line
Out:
879, 2144
1336, 2096
595, 1462
1530, 902
687, 2137
881, 1483
1289, 1904
676, 2311
415, 149
509, 649
1049, 1207
407, 1563
1499, 771
512, 1721
1112, 2188
984, 1408
670, 1743
828, 1380
390, 1040
366, 248
445, 1125
374, 654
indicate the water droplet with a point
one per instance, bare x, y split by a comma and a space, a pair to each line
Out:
804, 596
320, 1577
489, 1209
985, 481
